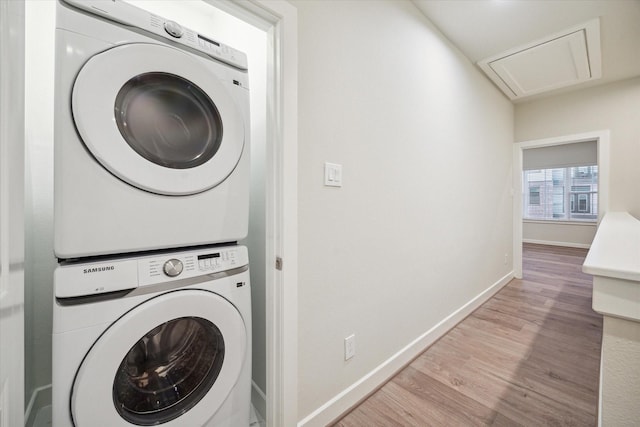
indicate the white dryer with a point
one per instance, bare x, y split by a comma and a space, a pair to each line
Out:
161, 339
151, 133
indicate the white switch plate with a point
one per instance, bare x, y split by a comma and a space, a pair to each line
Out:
332, 174
349, 347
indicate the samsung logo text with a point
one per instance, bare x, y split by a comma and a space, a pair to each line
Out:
98, 269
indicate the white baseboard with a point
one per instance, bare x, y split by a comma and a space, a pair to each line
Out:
259, 400
552, 243
358, 391
40, 397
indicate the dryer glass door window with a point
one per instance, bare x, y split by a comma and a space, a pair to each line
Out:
153, 116
168, 120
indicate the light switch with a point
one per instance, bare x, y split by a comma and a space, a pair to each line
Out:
332, 175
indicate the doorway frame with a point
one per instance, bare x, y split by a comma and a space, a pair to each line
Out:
602, 138
279, 20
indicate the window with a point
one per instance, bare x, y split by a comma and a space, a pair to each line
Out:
563, 194
580, 199
534, 195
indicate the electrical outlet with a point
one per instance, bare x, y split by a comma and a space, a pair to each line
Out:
349, 347
506, 259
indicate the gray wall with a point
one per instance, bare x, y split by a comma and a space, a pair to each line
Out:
423, 221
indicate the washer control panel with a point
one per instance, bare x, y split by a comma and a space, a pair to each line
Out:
216, 260
127, 14
119, 274
173, 266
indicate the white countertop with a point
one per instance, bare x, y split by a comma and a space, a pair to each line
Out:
615, 251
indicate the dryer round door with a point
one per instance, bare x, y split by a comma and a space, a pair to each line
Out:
158, 118
172, 360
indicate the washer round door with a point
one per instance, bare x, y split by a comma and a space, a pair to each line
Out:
158, 118
172, 360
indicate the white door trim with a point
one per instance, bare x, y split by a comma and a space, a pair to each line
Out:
279, 19
601, 136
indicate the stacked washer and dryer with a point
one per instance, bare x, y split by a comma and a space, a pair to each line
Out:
152, 307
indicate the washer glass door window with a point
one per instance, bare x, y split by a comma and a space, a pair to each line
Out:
168, 371
171, 360
158, 118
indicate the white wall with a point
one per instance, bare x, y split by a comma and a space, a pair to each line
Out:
614, 106
424, 219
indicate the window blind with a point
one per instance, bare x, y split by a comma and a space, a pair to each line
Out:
561, 156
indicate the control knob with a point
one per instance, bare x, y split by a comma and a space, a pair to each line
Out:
173, 29
173, 267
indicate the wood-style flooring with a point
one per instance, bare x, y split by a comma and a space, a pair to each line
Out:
530, 356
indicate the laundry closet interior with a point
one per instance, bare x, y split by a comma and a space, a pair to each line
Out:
215, 27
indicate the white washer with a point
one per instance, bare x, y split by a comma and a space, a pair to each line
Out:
157, 339
151, 133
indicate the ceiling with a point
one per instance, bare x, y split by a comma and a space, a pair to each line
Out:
486, 28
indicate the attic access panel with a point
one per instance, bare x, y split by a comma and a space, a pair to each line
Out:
561, 60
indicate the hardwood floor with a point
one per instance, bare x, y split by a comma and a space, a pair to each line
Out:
530, 356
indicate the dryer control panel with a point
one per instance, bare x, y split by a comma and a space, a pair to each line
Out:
111, 275
127, 14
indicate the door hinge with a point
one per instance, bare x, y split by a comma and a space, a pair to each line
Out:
278, 263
